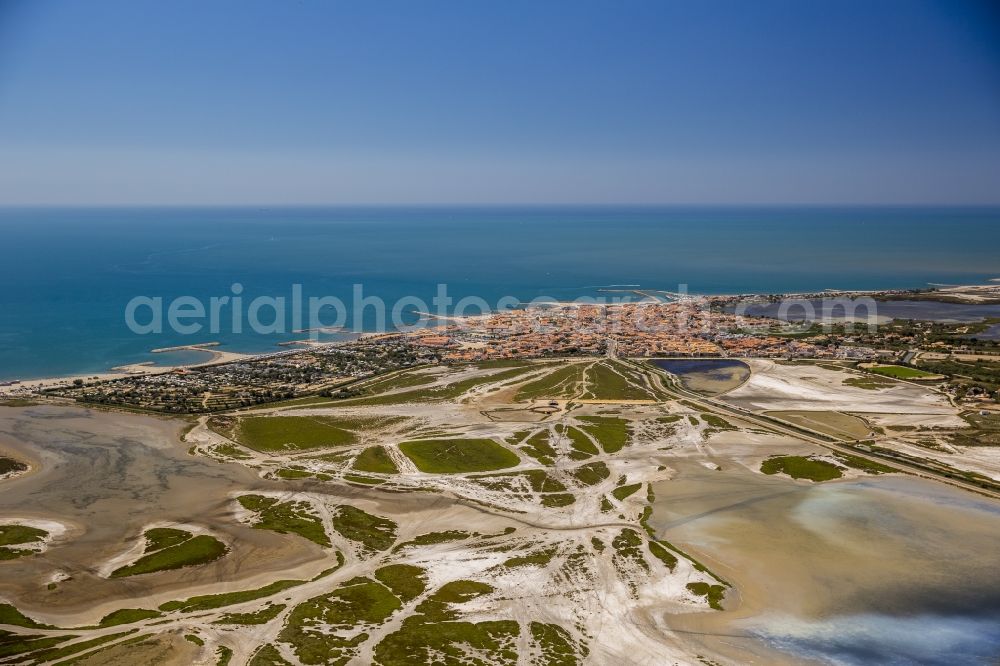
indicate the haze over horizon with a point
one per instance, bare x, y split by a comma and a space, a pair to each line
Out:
269, 103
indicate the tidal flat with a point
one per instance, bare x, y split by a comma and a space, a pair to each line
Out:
888, 570
106, 476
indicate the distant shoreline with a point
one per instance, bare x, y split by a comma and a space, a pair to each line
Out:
987, 294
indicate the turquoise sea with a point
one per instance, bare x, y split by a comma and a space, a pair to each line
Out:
71, 271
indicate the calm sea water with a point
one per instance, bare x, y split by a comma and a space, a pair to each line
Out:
70, 272
922, 310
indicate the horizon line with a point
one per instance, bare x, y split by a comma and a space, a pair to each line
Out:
554, 204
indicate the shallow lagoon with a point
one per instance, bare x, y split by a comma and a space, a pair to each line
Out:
887, 570
919, 310
710, 376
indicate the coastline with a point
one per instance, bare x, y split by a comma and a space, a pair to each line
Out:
25, 387
19, 387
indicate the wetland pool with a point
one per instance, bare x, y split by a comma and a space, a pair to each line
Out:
710, 376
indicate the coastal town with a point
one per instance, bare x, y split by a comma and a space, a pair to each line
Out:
693, 326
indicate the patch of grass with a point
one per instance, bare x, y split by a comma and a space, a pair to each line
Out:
56, 654
713, 593
267, 655
196, 550
13, 644
19, 402
405, 580
622, 492
537, 446
373, 532
717, 421
401, 380
899, 372
451, 456
437, 606
289, 517
223, 655
375, 459
432, 538
447, 391
562, 382
556, 500
19, 535
869, 383
365, 480
662, 554
127, 616
555, 645
284, 433
538, 558
263, 616
212, 601
591, 473
159, 538
801, 467
615, 381
581, 442
434, 636
540, 481
231, 451
194, 638
10, 466
610, 431
628, 551
330, 628
870, 466
10, 615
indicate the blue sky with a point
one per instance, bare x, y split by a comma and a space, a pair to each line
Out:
627, 101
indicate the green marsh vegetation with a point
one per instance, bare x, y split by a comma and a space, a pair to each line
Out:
583, 446
375, 459
713, 593
127, 616
439, 392
616, 381
434, 633
869, 382
262, 616
900, 372
11, 466
621, 492
19, 535
405, 580
453, 456
283, 433
610, 431
537, 446
355, 605
801, 467
591, 473
169, 548
563, 381
286, 517
374, 533
556, 645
